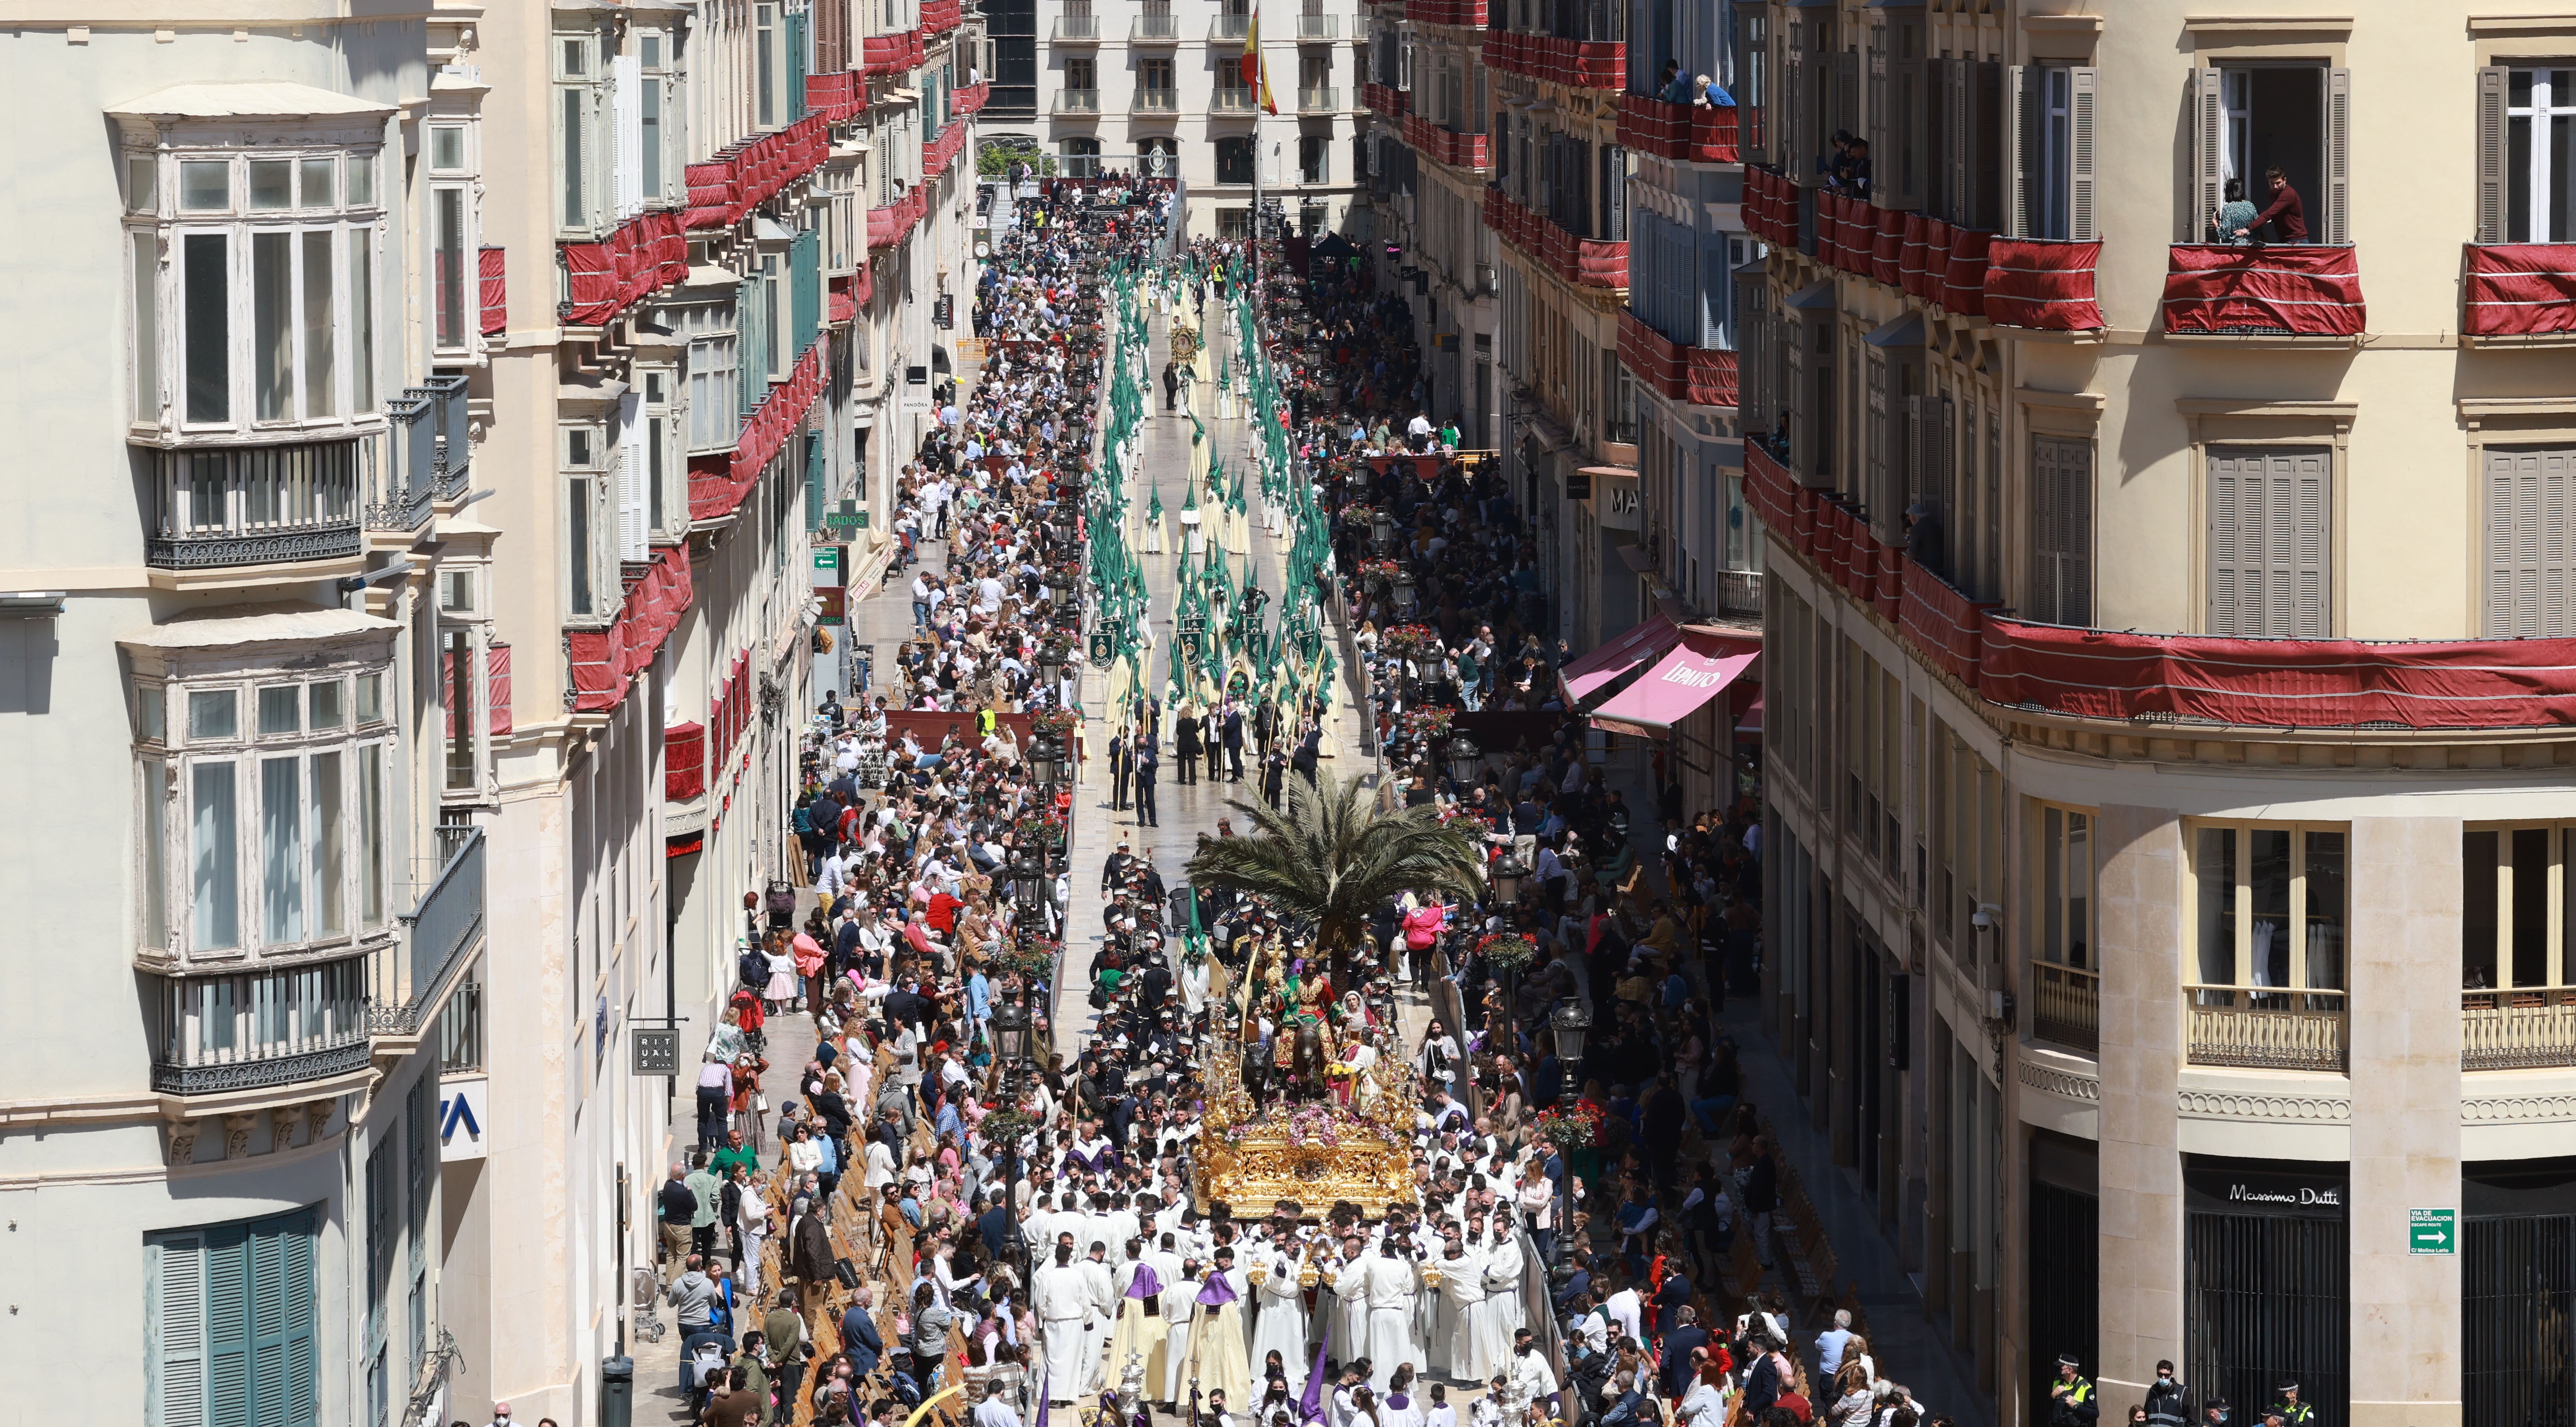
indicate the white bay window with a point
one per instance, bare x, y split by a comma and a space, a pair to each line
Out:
263, 814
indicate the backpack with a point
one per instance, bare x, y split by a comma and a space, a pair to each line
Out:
753, 968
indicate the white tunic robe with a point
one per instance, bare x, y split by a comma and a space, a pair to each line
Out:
1062, 1300
1282, 1325
1391, 1287
1462, 1297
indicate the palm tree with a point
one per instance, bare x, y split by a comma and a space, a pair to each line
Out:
1333, 859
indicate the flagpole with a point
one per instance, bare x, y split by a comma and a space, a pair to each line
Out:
1261, 83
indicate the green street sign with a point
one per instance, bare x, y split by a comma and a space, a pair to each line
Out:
2432, 1231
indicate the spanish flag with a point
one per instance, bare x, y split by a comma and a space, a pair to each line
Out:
1256, 72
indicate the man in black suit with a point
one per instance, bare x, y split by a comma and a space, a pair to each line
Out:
1147, 764
1230, 731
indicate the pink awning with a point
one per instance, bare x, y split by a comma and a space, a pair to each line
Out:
1650, 640
1689, 676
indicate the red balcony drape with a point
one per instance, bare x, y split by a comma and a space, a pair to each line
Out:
2042, 284
2304, 290
2519, 289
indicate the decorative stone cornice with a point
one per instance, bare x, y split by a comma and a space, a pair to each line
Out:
2517, 1109
2065, 1084
2248, 1105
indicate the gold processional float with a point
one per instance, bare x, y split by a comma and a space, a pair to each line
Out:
1336, 1124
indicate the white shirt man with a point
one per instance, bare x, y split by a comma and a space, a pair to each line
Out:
1626, 1311
1391, 1286
1095, 1328
993, 1411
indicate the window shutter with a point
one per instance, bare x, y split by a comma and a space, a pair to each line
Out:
2062, 520
1915, 132
2208, 152
629, 115
1793, 125
2338, 131
2226, 555
1912, 479
2492, 80
1880, 133
632, 503
1985, 147
174, 1287
496, 685
2302, 486
2083, 88
2531, 502
294, 1237
447, 687
2022, 105
1873, 484
1846, 99
227, 1263
1803, 424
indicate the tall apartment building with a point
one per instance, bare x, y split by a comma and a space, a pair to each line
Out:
2166, 694
1558, 200
453, 423
240, 932
723, 249
1427, 93
1157, 87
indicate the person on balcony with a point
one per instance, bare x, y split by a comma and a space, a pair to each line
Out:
2233, 222
1709, 94
2287, 215
1674, 86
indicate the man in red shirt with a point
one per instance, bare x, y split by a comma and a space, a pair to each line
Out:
2287, 215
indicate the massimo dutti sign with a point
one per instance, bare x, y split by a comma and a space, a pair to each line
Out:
2265, 1188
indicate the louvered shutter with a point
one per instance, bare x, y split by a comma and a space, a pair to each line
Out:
1912, 481
174, 1287
2208, 152
2022, 115
2303, 482
2531, 543
2227, 560
1846, 99
1873, 485
1803, 423
627, 113
228, 1315
1914, 131
1793, 115
1880, 133
632, 498
447, 686
2492, 83
293, 1236
496, 685
1952, 179
2062, 528
1985, 146
2083, 89
2338, 131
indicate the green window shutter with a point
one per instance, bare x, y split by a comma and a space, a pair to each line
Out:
174, 1289
228, 1314
805, 272
796, 66
293, 1389
813, 483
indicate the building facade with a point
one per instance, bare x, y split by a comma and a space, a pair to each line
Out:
732, 242
221, 661
463, 428
1157, 87
2172, 952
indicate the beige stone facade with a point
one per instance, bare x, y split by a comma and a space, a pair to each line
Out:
2165, 967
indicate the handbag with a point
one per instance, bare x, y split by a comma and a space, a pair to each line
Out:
846, 1271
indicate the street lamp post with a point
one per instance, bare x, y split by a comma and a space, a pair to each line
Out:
1571, 1026
1011, 1051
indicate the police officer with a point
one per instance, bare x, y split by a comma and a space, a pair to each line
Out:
2213, 1413
2168, 1401
2291, 1411
2070, 1398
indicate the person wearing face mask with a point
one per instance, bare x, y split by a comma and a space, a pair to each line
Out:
2168, 1401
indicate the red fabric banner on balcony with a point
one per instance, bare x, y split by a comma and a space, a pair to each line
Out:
1910, 262
717, 484
2519, 289
1684, 133
834, 96
1937, 238
1942, 622
2290, 683
1768, 488
684, 762
938, 17
971, 99
604, 279
1963, 278
2042, 285
2300, 291
1710, 379
491, 265
1889, 593
1887, 245
603, 660
883, 56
